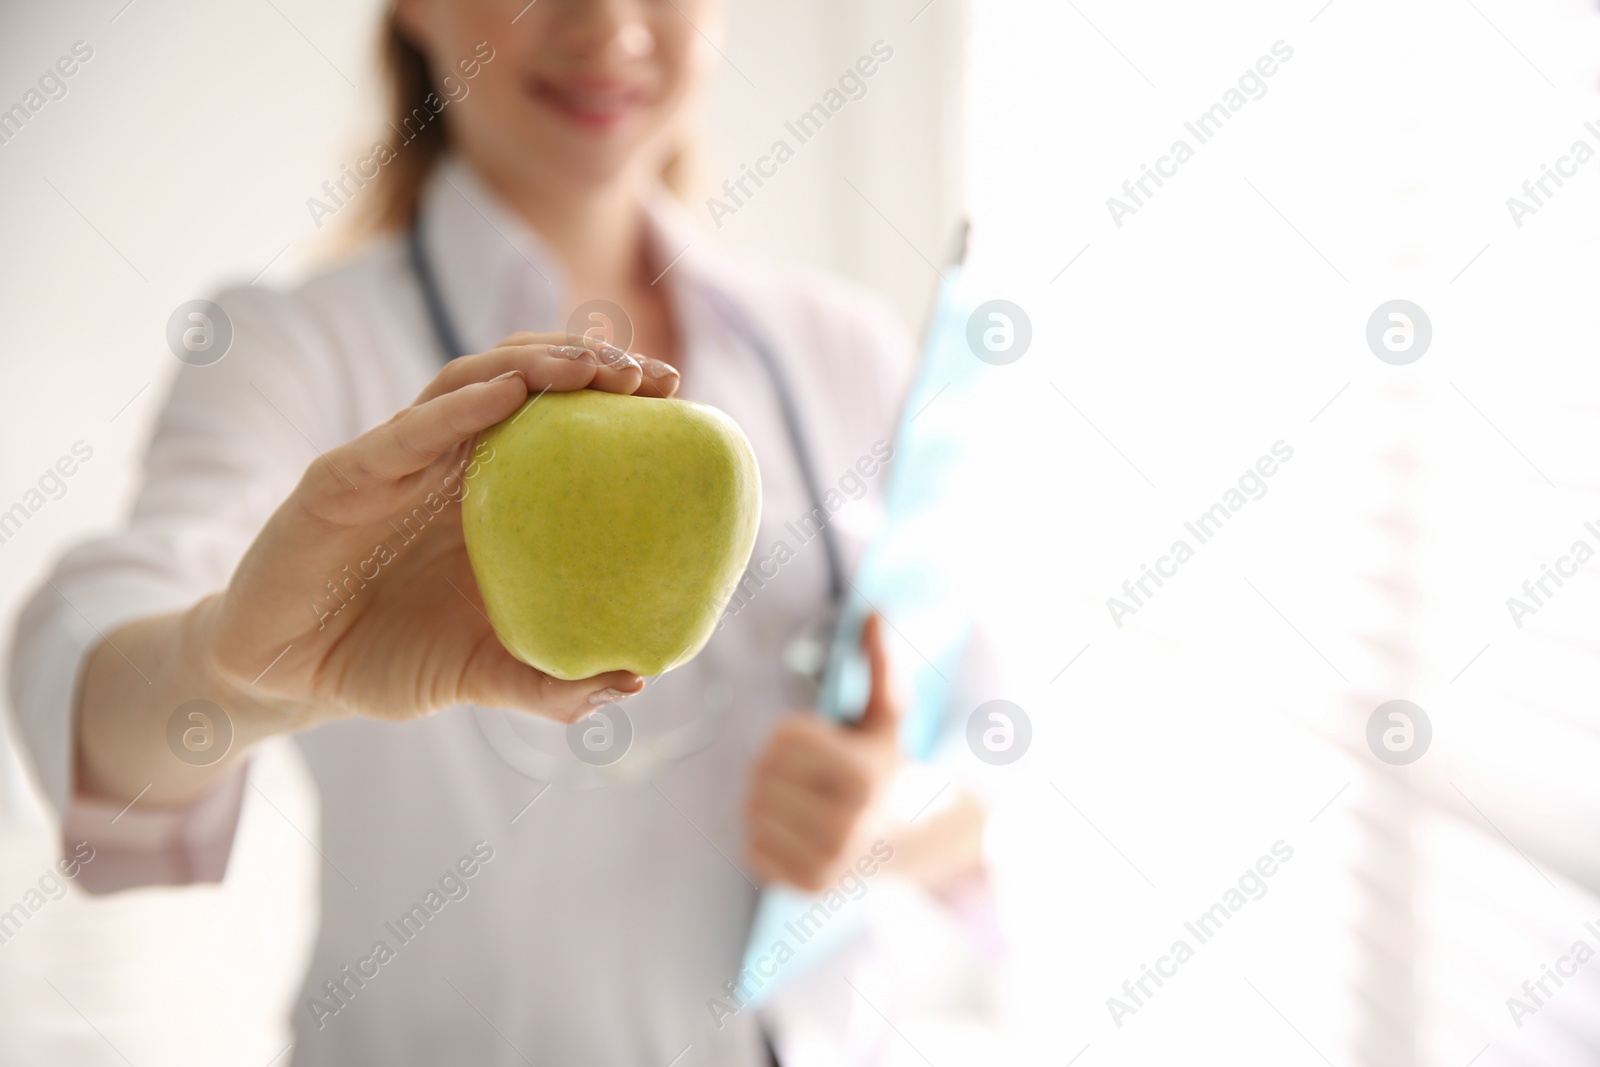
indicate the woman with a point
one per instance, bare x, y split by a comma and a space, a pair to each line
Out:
594, 927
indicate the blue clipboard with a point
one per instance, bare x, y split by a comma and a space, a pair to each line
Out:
911, 574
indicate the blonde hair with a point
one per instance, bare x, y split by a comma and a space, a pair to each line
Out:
392, 203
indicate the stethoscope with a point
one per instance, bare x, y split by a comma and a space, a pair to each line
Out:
804, 655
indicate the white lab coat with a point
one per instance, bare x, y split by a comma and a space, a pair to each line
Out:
614, 906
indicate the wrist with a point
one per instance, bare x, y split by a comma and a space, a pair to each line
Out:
255, 711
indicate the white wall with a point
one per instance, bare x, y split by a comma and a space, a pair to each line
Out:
899, 145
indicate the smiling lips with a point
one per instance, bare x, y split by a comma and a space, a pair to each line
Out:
593, 103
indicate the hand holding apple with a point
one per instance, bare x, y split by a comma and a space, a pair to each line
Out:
414, 638
355, 598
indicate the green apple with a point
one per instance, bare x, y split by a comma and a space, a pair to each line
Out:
608, 532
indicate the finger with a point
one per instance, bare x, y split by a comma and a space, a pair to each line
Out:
810, 759
572, 366
619, 372
498, 679
882, 713
528, 337
660, 379
417, 436
765, 870
821, 822
777, 849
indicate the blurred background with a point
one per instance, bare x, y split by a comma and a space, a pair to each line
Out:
1178, 336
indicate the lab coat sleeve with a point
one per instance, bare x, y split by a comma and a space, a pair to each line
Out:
230, 444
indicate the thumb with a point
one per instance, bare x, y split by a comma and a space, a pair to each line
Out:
882, 713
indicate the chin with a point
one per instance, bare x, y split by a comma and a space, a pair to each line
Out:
571, 157
598, 169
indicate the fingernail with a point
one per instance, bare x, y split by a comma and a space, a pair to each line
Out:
607, 695
573, 352
655, 368
503, 377
612, 356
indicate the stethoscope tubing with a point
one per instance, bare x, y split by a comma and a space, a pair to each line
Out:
449, 342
